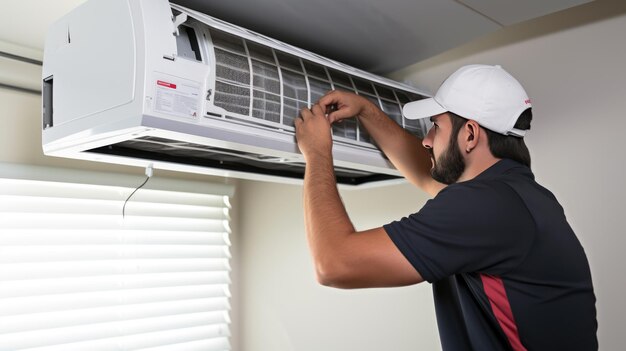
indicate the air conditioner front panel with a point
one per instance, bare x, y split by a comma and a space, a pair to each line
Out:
74, 44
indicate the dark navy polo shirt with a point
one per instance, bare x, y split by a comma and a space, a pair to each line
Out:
507, 271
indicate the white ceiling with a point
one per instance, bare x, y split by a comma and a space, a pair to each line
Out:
376, 35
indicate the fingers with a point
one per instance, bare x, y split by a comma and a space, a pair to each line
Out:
329, 99
315, 111
335, 105
305, 113
340, 114
340, 105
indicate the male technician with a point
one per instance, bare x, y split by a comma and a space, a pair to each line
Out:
507, 271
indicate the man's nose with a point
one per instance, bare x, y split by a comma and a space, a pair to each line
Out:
428, 139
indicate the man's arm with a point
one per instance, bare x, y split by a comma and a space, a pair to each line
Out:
343, 257
403, 149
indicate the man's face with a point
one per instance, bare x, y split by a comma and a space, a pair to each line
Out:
448, 162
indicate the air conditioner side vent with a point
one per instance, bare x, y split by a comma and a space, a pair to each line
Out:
47, 99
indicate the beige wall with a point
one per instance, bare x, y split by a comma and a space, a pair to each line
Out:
284, 307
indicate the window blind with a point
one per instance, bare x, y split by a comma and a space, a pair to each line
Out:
75, 275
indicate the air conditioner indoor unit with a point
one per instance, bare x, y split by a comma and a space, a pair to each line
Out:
140, 82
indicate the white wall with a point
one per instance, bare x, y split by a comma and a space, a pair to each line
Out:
576, 76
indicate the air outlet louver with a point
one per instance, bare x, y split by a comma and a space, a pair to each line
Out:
219, 99
281, 84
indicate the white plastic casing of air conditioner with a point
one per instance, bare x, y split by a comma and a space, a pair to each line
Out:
142, 82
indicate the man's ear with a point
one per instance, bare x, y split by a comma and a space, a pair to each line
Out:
472, 133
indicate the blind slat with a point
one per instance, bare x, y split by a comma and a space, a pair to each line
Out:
70, 335
22, 271
73, 221
111, 237
43, 321
48, 205
36, 287
143, 342
220, 344
33, 253
68, 302
31, 188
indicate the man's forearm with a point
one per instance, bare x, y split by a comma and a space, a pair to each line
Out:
327, 222
385, 131
404, 150
342, 257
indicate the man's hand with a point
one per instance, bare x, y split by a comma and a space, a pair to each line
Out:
346, 105
313, 133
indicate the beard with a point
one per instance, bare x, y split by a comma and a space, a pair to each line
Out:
450, 165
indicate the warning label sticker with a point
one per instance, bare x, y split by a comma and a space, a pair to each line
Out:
177, 96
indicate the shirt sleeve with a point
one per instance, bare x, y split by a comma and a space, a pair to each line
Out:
475, 227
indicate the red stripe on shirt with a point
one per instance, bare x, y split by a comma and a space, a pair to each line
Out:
494, 289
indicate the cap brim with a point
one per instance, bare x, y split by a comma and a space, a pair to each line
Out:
422, 109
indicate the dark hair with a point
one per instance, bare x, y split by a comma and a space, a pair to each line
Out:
502, 146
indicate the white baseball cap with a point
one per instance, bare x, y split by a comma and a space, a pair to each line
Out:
487, 94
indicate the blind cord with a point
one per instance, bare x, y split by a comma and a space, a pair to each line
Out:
148, 175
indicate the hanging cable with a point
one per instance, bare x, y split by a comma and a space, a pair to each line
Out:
148, 175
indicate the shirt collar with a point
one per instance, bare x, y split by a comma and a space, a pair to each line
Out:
505, 166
